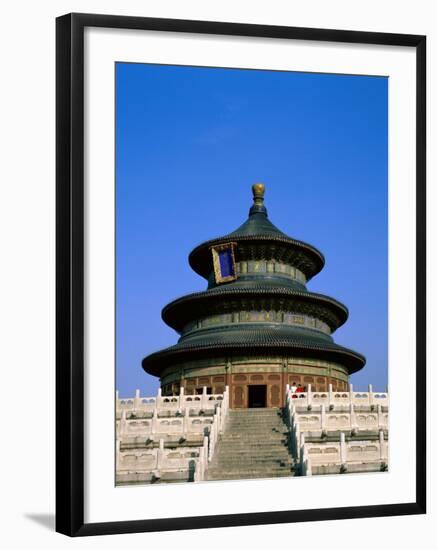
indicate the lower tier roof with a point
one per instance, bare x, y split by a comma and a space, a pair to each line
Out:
253, 341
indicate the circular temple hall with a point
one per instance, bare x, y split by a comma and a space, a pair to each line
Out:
256, 328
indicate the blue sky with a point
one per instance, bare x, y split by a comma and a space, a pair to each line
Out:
191, 141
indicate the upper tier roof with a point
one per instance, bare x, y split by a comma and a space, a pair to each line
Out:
259, 230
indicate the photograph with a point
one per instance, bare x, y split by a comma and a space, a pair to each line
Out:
251, 274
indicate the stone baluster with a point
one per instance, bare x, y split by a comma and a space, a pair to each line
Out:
185, 422
181, 397
330, 396
353, 417
309, 396
308, 468
351, 396
382, 446
123, 423
297, 440
323, 417
204, 398
343, 449
380, 416
219, 419
301, 447
117, 455
370, 394
154, 421
199, 472
137, 400
160, 455
158, 401
216, 433
211, 441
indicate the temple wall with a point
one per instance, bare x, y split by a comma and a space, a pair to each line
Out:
256, 317
241, 373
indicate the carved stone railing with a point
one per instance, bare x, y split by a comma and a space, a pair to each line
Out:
332, 398
156, 460
318, 418
171, 402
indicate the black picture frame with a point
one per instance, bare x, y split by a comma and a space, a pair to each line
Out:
70, 273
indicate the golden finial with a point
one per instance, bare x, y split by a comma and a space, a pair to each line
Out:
258, 190
258, 196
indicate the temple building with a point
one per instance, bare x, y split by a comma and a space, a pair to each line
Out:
256, 328
255, 387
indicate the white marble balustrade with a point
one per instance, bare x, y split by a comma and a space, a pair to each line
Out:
132, 423
332, 398
168, 403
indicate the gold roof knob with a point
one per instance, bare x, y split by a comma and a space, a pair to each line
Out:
258, 190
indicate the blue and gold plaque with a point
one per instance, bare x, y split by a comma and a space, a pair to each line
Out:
224, 262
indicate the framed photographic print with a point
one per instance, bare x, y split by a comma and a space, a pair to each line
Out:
240, 274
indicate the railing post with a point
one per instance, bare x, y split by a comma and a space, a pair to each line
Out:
137, 399
330, 396
185, 422
154, 421
323, 417
211, 441
205, 449
309, 396
219, 418
160, 459
297, 440
353, 417
343, 450
117, 455
198, 474
309, 470
379, 409
351, 390
370, 394
301, 445
382, 448
122, 425
158, 400
181, 397
204, 398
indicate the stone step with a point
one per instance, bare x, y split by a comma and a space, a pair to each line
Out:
252, 447
270, 464
264, 416
254, 412
254, 419
261, 442
256, 474
229, 461
250, 423
254, 444
254, 433
254, 436
251, 470
248, 456
256, 428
